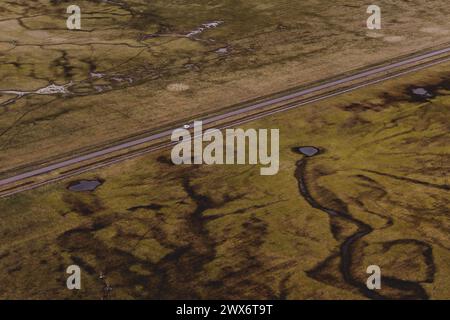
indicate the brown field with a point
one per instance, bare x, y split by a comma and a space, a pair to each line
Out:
159, 231
122, 79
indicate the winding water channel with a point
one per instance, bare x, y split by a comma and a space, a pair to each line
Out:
347, 247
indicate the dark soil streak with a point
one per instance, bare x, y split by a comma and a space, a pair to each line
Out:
424, 183
151, 206
179, 269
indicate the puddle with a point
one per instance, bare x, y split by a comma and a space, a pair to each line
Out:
307, 151
84, 185
421, 92
48, 90
224, 50
203, 27
191, 34
53, 89
97, 75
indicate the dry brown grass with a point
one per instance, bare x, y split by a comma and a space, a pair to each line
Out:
273, 45
163, 231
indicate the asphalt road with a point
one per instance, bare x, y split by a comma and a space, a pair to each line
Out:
227, 115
